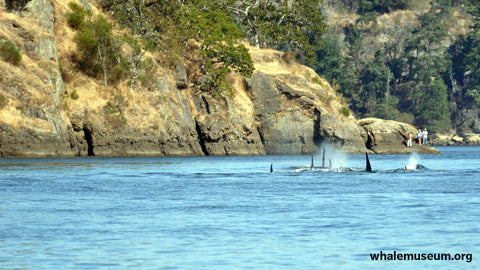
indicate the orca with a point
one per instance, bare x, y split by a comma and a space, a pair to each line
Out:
368, 167
323, 158
271, 167
420, 167
414, 168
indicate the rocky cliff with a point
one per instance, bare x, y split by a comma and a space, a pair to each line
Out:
284, 108
30, 119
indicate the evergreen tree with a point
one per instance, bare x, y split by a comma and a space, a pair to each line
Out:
350, 79
433, 111
375, 84
466, 61
329, 57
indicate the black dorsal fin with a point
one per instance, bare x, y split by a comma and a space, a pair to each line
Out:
368, 167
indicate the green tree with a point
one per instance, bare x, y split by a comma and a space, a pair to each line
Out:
77, 16
375, 83
350, 79
425, 62
178, 27
292, 25
138, 64
466, 61
94, 40
433, 111
329, 57
356, 54
98, 47
221, 48
102, 32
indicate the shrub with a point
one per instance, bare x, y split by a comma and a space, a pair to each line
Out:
3, 101
289, 57
74, 95
118, 71
317, 80
345, 111
10, 53
78, 16
114, 111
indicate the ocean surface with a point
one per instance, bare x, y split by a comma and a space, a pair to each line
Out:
232, 213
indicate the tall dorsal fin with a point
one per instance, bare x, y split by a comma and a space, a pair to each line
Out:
368, 167
323, 158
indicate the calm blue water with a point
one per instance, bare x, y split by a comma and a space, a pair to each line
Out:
231, 213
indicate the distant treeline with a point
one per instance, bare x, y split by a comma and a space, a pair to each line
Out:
419, 72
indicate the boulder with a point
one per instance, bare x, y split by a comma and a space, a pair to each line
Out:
389, 137
473, 139
457, 139
288, 133
441, 139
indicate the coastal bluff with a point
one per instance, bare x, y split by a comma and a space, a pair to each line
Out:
390, 137
284, 108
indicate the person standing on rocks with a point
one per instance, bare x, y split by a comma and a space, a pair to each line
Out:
409, 140
425, 135
419, 136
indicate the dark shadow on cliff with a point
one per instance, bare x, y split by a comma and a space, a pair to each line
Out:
201, 138
89, 140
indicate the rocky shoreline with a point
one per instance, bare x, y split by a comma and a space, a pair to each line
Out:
455, 139
284, 108
378, 137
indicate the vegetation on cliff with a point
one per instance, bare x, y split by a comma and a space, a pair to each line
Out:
208, 35
10, 53
213, 35
408, 60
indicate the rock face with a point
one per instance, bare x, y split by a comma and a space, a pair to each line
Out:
469, 121
30, 143
295, 116
346, 135
223, 131
390, 137
284, 108
285, 128
43, 131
